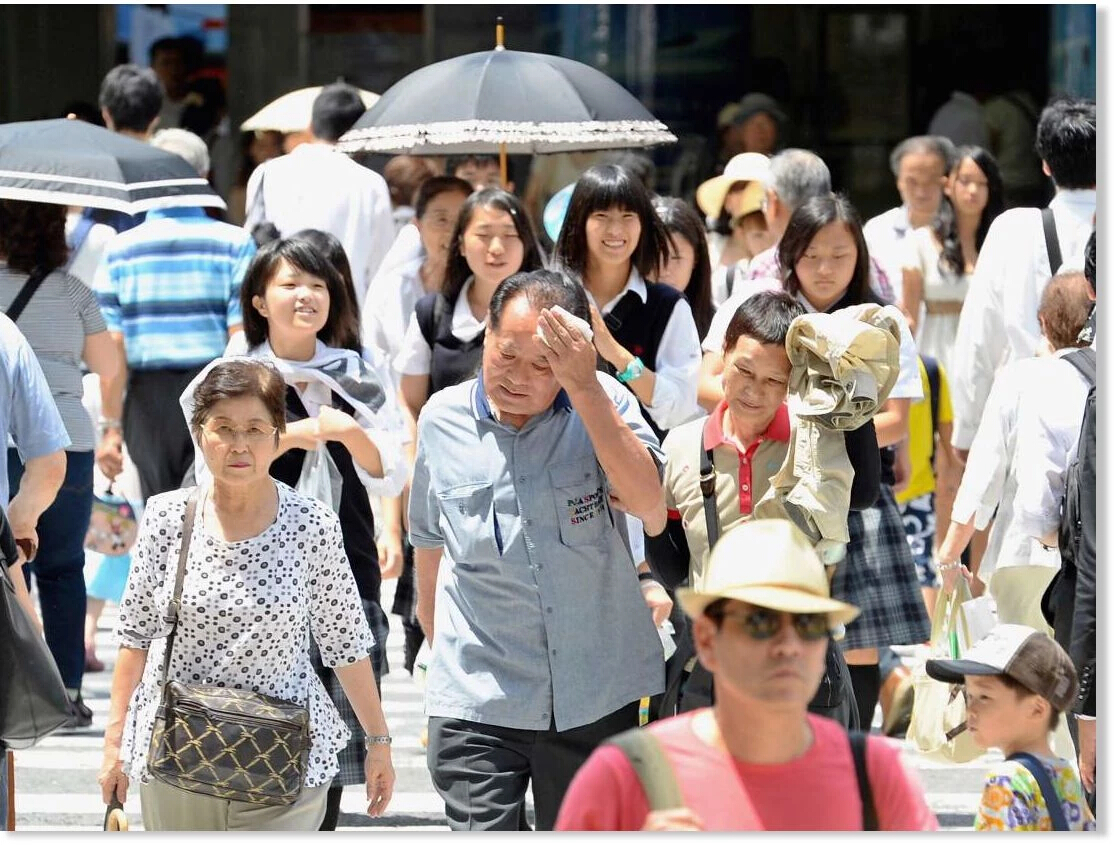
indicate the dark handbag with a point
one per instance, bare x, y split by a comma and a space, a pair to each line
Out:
232, 744
33, 700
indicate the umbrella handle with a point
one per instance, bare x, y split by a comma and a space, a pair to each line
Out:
499, 36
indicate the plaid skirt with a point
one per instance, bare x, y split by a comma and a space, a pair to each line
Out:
878, 576
352, 756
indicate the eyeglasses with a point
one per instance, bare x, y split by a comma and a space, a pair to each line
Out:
763, 624
255, 434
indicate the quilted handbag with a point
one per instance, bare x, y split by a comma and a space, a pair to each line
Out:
232, 744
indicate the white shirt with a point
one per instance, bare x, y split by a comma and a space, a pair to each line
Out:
884, 235
677, 368
390, 305
961, 121
84, 263
416, 357
316, 187
744, 290
1049, 417
999, 319
989, 483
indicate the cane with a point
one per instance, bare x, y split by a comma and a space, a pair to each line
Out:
114, 816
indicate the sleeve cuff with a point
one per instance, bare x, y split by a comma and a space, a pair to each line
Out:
395, 471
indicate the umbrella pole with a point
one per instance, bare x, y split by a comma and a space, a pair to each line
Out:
502, 147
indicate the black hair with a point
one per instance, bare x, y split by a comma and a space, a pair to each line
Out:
679, 218
342, 327
601, 188
542, 289
809, 219
765, 317
168, 43
1066, 142
944, 225
458, 270
330, 246
132, 96
1089, 259
453, 162
435, 186
336, 108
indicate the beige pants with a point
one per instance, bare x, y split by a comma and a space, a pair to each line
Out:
1017, 592
169, 808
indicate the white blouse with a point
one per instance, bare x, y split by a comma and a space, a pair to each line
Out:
248, 610
416, 357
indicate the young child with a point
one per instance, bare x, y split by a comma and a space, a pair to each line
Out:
1018, 683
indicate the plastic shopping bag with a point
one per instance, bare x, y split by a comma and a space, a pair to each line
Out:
938, 727
320, 478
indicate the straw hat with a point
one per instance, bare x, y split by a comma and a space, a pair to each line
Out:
769, 563
745, 167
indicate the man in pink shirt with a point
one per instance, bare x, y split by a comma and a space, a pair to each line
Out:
756, 760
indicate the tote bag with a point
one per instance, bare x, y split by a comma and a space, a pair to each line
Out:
938, 727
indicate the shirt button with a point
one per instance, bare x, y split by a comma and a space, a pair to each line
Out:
554, 652
746, 488
549, 610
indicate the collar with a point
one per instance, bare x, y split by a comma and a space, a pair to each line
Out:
779, 429
1083, 199
481, 405
179, 213
635, 283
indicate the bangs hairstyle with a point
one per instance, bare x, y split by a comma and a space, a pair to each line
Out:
764, 317
433, 187
342, 327
944, 225
235, 380
602, 188
679, 219
809, 219
458, 270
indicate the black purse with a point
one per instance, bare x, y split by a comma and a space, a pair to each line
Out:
33, 700
227, 743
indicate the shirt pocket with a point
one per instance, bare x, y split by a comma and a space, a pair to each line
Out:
580, 496
468, 522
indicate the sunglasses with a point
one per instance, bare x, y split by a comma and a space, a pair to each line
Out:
763, 624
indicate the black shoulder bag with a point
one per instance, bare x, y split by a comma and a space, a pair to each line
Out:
232, 744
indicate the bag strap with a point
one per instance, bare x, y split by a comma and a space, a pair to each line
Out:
1044, 783
1085, 361
858, 741
77, 238
650, 763
34, 281
708, 491
174, 605
1051, 242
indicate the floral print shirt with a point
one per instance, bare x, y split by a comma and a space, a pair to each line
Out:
1012, 799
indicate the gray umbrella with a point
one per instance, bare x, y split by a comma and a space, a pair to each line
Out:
505, 100
70, 162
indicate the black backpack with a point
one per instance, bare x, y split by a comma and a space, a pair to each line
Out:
1071, 521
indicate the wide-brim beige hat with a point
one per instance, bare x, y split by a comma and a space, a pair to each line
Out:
745, 167
768, 563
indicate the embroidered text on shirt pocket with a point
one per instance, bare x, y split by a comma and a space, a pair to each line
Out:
468, 522
580, 495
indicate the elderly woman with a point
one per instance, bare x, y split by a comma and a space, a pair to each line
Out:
266, 568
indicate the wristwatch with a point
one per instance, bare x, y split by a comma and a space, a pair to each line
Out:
634, 369
376, 740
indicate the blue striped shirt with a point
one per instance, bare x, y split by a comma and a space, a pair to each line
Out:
171, 286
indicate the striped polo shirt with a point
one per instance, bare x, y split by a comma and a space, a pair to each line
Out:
742, 476
171, 286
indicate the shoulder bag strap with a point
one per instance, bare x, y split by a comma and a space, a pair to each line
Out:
650, 763
25, 293
1051, 242
173, 606
1085, 361
1044, 783
862, 775
708, 491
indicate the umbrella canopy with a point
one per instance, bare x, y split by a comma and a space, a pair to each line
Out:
71, 162
292, 111
523, 102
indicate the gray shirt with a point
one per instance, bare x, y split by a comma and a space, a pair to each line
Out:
539, 616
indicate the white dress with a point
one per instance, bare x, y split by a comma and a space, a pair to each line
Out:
248, 609
936, 332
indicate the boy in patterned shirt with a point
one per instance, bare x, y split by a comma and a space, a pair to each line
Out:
1018, 682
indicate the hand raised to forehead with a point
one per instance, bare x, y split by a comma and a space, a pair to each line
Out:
570, 354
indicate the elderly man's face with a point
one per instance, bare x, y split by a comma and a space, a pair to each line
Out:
755, 382
782, 670
516, 375
920, 181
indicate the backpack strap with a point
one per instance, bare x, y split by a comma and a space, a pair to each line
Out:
1084, 360
708, 491
34, 281
1044, 784
858, 741
650, 763
1051, 242
932, 370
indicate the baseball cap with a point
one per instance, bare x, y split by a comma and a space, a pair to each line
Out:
768, 563
745, 167
1030, 657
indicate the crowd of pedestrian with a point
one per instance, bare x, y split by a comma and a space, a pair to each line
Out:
668, 502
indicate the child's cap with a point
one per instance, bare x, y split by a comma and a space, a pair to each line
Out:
1030, 657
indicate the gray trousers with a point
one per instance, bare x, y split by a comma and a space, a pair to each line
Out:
169, 808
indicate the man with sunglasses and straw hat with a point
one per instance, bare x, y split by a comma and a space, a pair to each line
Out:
756, 759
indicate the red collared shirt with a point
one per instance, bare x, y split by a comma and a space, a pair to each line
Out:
714, 436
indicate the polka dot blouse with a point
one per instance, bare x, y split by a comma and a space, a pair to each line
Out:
248, 610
